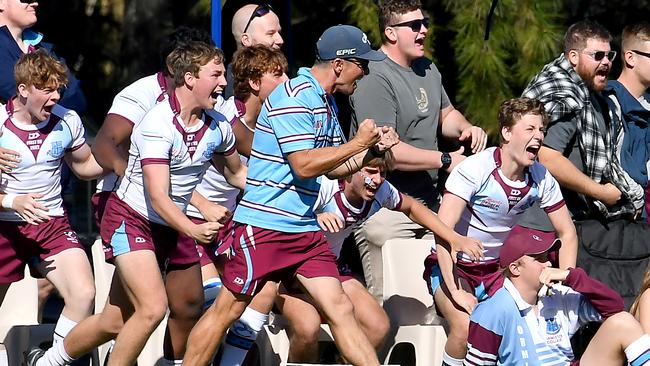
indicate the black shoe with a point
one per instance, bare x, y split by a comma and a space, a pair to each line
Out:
30, 357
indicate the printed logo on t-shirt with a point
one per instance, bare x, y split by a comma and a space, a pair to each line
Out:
553, 332
56, 149
423, 101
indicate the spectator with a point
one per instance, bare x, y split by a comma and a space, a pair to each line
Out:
519, 326
630, 103
298, 138
405, 91
579, 152
253, 24
17, 38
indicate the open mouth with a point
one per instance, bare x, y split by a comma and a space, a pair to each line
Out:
532, 151
419, 41
215, 94
602, 73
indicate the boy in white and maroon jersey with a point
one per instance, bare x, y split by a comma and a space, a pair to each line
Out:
257, 70
182, 280
170, 150
34, 226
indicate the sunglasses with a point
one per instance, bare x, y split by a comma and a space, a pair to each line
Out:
27, 1
599, 55
646, 54
260, 11
415, 24
363, 65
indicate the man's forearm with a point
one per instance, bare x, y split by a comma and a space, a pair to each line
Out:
567, 174
315, 162
411, 158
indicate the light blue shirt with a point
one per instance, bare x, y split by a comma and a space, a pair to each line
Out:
298, 115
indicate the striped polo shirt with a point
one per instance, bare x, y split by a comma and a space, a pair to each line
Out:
298, 115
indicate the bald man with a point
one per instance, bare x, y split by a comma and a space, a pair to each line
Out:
253, 24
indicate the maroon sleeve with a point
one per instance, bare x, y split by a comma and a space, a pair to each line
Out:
482, 346
605, 300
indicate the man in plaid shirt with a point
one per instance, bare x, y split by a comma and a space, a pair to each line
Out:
577, 148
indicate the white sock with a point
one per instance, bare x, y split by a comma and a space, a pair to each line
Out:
450, 361
63, 326
211, 288
55, 356
241, 336
4, 360
638, 352
166, 362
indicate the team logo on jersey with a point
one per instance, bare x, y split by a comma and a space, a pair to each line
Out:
423, 101
318, 124
176, 155
552, 327
71, 236
209, 150
56, 149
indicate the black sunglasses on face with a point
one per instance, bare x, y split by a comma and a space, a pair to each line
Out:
260, 11
363, 65
599, 55
646, 54
415, 24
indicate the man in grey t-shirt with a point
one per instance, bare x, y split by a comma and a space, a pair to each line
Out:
405, 92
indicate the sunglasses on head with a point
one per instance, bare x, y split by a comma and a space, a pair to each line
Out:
415, 24
599, 55
260, 11
27, 1
646, 54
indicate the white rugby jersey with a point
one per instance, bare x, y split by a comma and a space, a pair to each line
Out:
214, 186
41, 148
132, 103
332, 199
162, 138
495, 203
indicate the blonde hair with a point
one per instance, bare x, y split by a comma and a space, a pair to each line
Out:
41, 70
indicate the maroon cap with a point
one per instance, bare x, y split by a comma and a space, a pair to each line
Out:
525, 241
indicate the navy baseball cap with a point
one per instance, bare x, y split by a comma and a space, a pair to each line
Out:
346, 41
524, 241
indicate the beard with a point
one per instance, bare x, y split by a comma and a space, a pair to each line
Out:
589, 77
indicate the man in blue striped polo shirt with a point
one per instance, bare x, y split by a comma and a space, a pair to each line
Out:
297, 139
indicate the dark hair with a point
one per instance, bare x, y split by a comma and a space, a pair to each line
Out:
633, 34
512, 110
578, 33
189, 58
181, 36
251, 63
390, 9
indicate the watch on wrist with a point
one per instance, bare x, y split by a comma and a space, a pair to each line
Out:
445, 159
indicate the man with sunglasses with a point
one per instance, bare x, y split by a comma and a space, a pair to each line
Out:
405, 91
630, 103
276, 237
580, 153
251, 25
531, 319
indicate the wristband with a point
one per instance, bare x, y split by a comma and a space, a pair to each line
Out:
8, 201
